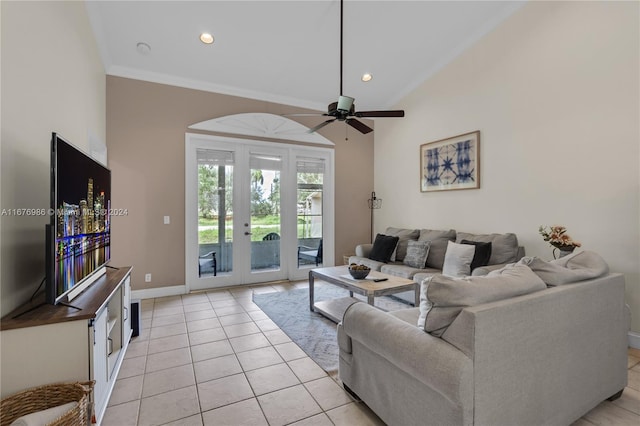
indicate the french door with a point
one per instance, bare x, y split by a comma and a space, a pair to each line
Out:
251, 207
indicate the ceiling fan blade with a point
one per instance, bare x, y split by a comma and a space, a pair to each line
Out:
391, 113
320, 126
307, 114
359, 125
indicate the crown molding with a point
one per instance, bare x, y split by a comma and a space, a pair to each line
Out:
171, 80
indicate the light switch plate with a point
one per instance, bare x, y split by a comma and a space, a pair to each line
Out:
167, 220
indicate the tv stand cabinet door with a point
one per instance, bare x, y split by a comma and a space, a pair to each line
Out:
100, 367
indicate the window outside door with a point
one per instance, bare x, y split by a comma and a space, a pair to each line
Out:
255, 211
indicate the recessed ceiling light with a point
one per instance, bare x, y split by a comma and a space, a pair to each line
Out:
206, 38
366, 77
143, 48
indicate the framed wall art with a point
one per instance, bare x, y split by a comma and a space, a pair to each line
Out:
452, 163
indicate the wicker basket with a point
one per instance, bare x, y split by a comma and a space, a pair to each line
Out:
48, 396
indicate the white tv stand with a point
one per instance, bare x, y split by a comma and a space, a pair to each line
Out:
56, 343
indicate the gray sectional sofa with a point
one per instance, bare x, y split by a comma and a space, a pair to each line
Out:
505, 249
542, 358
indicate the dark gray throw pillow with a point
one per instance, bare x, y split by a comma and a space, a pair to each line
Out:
383, 248
482, 255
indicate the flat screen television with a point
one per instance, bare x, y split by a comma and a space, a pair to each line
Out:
78, 235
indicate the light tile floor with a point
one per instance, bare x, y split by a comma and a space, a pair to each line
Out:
214, 358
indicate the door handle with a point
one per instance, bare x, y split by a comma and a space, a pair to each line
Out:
247, 233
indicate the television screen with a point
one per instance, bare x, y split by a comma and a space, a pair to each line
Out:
79, 233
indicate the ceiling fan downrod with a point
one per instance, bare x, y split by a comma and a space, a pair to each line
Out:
344, 109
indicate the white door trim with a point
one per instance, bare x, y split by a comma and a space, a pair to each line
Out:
193, 141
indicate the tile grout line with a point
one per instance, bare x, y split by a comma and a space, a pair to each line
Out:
193, 367
322, 410
244, 373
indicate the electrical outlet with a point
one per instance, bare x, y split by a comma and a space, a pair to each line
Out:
147, 278
167, 220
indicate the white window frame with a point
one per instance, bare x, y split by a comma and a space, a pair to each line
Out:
290, 152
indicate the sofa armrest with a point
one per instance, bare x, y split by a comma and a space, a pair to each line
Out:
431, 360
363, 250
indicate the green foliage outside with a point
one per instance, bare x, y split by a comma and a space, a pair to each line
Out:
261, 226
264, 220
214, 183
210, 236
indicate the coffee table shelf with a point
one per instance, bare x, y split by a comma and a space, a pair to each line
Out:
339, 275
334, 309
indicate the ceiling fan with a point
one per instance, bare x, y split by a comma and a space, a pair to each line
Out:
344, 108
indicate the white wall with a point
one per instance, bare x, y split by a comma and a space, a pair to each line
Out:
52, 79
554, 92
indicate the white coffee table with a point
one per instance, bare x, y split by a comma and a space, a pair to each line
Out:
339, 276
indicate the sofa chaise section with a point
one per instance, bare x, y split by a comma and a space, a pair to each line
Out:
543, 358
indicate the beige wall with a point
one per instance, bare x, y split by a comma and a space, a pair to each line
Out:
146, 125
52, 80
554, 92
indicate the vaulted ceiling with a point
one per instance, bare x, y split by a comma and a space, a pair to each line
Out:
288, 51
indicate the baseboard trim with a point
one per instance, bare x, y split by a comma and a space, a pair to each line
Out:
150, 293
634, 339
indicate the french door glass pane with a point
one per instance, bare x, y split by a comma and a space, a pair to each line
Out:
265, 212
215, 212
310, 174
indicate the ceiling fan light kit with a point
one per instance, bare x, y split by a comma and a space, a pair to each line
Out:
345, 103
344, 109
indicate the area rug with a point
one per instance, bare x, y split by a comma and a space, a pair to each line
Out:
315, 334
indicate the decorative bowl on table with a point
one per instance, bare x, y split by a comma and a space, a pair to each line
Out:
359, 272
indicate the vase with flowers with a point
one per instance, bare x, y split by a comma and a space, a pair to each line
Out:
561, 241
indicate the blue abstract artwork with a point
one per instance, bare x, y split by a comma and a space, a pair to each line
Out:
450, 164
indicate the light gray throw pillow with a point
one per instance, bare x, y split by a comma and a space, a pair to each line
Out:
442, 298
457, 259
404, 236
504, 247
417, 252
439, 240
578, 266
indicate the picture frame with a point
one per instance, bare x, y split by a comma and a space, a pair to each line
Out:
451, 163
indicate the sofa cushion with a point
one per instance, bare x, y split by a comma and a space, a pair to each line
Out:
373, 264
442, 298
482, 254
398, 269
404, 236
578, 266
457, 259
383, 247
439, 240
504, 247
410, 315
417, 252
